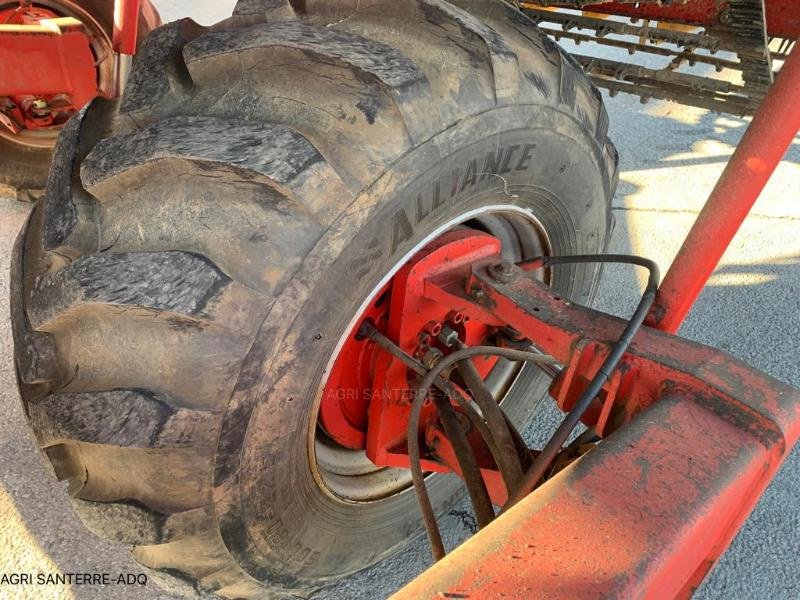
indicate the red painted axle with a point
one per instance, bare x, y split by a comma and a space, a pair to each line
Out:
692, 438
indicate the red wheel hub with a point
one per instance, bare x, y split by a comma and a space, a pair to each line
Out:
47, 69
367, 396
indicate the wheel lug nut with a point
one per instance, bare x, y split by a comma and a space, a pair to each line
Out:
477, 293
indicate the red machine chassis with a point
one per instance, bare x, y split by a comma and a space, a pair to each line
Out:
782, 16
691, 437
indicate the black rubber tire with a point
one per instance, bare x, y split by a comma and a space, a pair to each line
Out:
204, 243
25, 168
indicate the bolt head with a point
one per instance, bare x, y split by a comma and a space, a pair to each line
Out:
504, 272
477, 293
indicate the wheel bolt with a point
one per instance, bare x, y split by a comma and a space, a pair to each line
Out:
477, 293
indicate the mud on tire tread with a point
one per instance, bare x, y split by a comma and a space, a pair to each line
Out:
114, 274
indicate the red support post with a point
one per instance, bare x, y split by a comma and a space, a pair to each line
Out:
750, 167
126, 25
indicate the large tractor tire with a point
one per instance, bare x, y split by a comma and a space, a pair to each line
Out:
205, 245
25, 157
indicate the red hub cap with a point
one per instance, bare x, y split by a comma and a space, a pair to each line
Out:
367, 396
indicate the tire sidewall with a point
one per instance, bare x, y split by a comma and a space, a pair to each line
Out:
275, 519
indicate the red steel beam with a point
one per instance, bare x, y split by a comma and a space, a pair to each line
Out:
758, 154
644, 515
700, 12
782, 16
695, 438
126, 25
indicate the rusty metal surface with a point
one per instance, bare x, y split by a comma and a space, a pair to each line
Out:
644, 515
693, 438
687, 34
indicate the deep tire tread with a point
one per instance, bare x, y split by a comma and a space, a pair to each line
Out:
262, 161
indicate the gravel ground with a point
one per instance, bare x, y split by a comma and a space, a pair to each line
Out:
670, 158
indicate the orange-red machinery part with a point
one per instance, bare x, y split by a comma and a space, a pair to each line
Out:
126, 26
409, 313
45, 64
693, 437
772, 130
782, 16
645, 515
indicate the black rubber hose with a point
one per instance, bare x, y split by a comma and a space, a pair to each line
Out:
545, 459
417, 476
470, 470
507, 459
368, 329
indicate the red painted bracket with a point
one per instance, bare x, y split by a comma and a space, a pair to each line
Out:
693, 437
64, 64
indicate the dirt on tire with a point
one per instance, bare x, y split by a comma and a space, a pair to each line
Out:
205, 241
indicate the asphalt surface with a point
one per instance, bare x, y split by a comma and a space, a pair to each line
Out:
670, 159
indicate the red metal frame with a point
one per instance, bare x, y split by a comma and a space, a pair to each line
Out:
693, 437
410, 314
63, 80
783, 16
64, 77
758, 154
64, 65
126, 26
364, 378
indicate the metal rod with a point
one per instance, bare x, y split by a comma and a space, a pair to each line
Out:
548, 454
507, 459
467, 463
758, 154
126, 26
